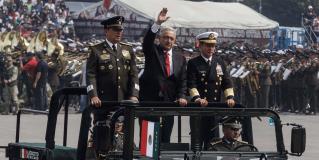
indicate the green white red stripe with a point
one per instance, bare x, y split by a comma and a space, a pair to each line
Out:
150, 139
24, 153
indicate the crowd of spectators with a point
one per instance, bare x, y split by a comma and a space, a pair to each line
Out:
31, 16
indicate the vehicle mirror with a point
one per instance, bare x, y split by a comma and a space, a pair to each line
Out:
298, 140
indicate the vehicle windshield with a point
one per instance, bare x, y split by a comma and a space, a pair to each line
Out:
263, 135
231, 143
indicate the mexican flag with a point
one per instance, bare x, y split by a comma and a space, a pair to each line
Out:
150, 139
24, 153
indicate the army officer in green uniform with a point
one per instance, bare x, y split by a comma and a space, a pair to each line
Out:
230, 142
111, 76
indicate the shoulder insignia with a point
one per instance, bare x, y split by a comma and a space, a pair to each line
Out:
243, 142
91, 44
126, 44
216, 142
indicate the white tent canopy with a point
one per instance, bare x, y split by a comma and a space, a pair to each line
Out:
205, 14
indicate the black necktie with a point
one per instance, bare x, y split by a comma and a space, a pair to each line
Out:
208, 62
114, 48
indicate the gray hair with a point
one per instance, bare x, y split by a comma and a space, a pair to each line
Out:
167, 29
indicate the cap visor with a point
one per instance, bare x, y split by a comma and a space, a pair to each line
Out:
208, 41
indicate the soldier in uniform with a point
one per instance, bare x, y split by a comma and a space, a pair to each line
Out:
10, 81
207, 78
118, 135
312, 82
230, 142
111, 75
53, 71
252, 88
265, 82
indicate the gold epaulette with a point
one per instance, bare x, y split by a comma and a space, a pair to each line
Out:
127, 44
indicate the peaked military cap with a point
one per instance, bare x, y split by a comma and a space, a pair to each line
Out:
231, 122
207, 37
120, 119
115, 21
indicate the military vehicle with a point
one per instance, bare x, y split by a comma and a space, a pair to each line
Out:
252, 121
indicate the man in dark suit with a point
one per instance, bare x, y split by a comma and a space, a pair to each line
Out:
164, 77
207, 78
111, 76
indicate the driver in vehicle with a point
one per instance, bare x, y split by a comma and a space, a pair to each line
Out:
230, 142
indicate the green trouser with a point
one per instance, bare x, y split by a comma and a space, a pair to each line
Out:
13, 98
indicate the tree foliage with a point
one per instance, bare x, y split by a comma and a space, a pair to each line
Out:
285, 12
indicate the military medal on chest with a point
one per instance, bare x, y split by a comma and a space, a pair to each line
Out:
126, 54
105, 55
219, 69
110, 66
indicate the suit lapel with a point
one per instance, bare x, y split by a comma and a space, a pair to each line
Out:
175, 63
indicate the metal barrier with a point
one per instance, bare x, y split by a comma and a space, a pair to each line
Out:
24, 110
132, 110
55, 107
308, 32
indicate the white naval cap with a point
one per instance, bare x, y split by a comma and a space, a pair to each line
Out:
207, 37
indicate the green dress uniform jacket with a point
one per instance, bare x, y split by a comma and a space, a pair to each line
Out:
112, 76
226, 145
